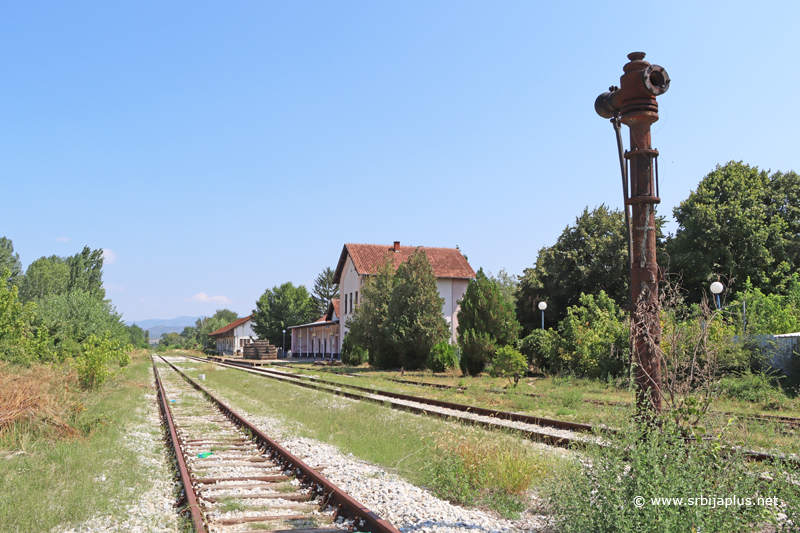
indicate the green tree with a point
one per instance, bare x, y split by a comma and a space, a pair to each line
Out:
86, 271
138, 337
415, 322
47, 276
589, 257
769, 314
325, 290
97, 353
77, 314
594, 338
741, 222
486, 321
15, 318
207, 325
366, 324
281, 307
9, 260
508, 285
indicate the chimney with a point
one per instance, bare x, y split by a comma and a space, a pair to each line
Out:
397, 246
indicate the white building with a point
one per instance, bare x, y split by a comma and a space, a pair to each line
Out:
232, 338
358, 261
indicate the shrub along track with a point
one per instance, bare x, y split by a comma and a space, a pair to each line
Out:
233, 474
549, 431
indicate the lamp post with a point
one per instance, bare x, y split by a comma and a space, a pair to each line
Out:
542, 306
283, 348
634, 104
716, 289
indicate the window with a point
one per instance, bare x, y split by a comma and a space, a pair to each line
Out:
345, 304
356, 297
351, 302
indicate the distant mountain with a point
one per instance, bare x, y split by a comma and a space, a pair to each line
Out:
157, 326
180, 322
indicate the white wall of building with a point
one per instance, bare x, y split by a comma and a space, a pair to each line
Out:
350, 285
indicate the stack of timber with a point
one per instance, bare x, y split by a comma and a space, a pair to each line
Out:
260, 349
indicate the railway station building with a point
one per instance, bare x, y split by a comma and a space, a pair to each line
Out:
232, 338
358, 261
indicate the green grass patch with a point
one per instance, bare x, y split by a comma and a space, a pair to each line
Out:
64, 480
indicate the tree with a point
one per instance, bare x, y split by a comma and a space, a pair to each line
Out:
486, 321
47, 276
590, 256
9, 260
207, 325
740, 222
86, 271
415, 322
366, 324
15, 318
138, 337
325, 290
281, 307
508, 285
594, 338
77, 314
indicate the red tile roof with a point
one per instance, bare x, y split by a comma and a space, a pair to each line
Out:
335, 305
230, 327
446, 262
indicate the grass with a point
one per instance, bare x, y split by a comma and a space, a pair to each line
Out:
65, 476
571, 399
416, 447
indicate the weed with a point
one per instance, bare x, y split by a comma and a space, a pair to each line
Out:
614, 488
228, 505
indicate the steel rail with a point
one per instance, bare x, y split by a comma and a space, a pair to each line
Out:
544, 437
183, 471
363, 518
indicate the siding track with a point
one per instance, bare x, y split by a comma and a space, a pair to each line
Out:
234, 475
553, 432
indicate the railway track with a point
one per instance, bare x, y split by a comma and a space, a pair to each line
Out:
788, 421
236, 477
563, 433
554, 432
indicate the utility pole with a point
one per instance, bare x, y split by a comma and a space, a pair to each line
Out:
634, 104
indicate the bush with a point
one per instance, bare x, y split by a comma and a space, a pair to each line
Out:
92, 366
595, 338
540, 349
600, 492
442, 357
353, 354
507, 362
475, 351
756, 388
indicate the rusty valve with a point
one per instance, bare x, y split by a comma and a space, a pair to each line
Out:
640, 85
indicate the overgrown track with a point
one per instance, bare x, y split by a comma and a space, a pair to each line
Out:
562, 434
232, 473
788, 421
375, 396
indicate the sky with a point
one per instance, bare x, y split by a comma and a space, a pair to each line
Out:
218, 149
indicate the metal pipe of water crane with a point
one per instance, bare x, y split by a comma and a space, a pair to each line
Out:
634, 101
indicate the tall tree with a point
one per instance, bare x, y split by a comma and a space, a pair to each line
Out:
508, 284
47, 276
325, 290
9, 260
281, 307
86, 271
486, 321
366, 324
740, 222
415, 322
590, 256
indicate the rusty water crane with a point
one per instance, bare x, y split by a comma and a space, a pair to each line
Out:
634, 104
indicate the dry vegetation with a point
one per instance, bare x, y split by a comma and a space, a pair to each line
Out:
41, 396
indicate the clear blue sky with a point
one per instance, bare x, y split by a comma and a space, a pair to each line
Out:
219, 149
